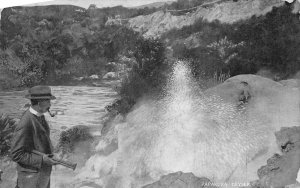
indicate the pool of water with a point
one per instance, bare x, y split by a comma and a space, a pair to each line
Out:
74, 105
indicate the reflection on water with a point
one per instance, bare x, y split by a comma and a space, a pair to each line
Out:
75, 105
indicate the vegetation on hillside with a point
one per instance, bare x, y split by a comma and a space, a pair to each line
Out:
183, 4
45, 47
120, 11
147, 76
48, 47
265, 42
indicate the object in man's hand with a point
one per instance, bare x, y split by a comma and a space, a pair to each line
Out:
61, 162
1, 172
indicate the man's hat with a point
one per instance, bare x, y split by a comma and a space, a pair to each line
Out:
40, 92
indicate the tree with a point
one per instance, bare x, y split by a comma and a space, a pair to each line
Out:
3, 40
225, 49
149, 54
148, 74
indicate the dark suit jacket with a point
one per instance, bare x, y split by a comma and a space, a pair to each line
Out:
32, 133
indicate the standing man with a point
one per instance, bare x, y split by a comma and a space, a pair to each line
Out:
33, 133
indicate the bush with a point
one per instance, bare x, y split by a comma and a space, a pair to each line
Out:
70, 138
183, 4
147, 75
271, 42
264, 42
145, 78
7, 127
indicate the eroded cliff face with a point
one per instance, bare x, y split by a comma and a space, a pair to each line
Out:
155, 24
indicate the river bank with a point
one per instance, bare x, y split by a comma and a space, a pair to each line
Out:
182, 132
75, 106
84, 82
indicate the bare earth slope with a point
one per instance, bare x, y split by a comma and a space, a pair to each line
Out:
155, 24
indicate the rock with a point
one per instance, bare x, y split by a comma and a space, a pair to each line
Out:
272, 164
180, 180
288, 138
282, 170
296, 7
44, 22
273, 105
243, 88
94, 76
78, 79
97, 84
113, 21
110, 75
294, 83
63, 127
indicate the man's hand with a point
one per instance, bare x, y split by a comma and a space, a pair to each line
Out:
48, 160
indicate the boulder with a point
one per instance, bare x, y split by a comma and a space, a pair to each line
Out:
78, 79
110, 75
94, 76
181, 180
282, 170
243, 88
294, 83
271, 105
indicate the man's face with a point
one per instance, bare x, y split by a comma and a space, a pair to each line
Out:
44, 105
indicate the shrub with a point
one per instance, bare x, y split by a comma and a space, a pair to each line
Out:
270, 42
145, 78
147, 75
264, 42
7, 127
71, 137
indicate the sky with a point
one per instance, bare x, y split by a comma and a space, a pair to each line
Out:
81, 3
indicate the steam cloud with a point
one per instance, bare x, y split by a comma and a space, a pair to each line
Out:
191, 132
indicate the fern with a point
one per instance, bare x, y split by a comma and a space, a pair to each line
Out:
7, 126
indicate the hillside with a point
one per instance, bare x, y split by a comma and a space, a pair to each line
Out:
50, 41
100, 4
156, 24
55, 44
16, 19
154, 5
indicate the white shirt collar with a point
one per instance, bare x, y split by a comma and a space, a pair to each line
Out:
33, 111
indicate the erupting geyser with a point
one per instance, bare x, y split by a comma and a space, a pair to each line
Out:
185, 131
